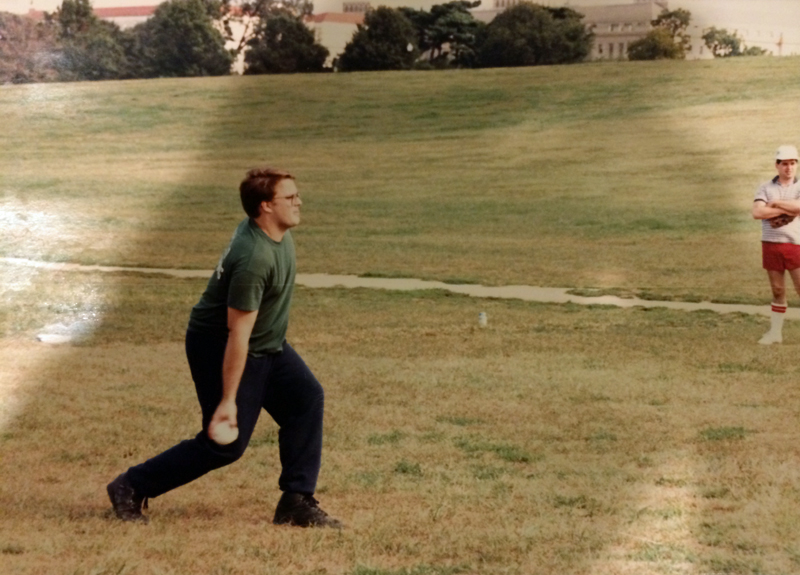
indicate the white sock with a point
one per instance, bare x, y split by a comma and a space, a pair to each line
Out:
778, 313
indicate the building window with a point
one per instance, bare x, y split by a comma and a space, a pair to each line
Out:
359, 7
599, 49
613, 27
611, 50
622, 48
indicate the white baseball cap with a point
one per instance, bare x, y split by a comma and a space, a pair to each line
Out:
786, 153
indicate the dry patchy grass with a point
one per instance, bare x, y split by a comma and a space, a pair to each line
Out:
559, 439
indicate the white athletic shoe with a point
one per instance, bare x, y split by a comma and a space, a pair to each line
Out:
770, 338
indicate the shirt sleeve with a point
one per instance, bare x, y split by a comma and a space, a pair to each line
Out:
761, 194
246, 290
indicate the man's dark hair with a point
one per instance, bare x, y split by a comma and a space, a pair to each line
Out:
259, 186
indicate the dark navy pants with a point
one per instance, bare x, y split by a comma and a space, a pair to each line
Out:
280, 383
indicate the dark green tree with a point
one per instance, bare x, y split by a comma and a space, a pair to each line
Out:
179, 40
282, 44
250, 13
91, 49
387, 40
657, 44
676, 22
448, 33
97, 54
724, 44
667, 40
28, 50
531, 35
755, 51
75, 17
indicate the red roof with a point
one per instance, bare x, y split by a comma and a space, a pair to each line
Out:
35, 14
124, 11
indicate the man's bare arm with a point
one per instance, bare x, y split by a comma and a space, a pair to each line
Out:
240, 326
762, 211
789, 207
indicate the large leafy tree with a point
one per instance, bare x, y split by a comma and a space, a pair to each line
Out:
657, 44
387, 40
249, 15
75, 17
283, 44
28, 50
180, 39
97, 54
448, 33
676, 22
91, 49
530, 35
724, 44
667, 40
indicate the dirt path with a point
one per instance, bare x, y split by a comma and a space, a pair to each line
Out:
521, 292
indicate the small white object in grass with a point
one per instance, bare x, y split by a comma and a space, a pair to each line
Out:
223, 433
482, 319
54, 338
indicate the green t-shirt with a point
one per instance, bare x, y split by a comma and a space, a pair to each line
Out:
254, 273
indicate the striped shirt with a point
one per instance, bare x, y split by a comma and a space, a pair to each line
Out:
771, 191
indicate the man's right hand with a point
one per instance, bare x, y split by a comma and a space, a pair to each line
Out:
224, 414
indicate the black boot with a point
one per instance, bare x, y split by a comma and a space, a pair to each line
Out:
127, 503
302, 511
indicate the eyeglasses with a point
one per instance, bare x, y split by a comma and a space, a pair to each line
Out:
293, 199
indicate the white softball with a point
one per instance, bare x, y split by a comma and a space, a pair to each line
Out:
223, 433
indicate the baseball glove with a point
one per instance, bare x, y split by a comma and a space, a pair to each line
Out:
780, 221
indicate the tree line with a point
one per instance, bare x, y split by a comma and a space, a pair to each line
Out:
188, 38
668, 40
448, 36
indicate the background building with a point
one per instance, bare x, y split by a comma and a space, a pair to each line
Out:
125, 17
335, 29
773, 25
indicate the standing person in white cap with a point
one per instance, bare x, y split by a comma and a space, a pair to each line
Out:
777, 204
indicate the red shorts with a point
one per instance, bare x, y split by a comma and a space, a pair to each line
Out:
780, 257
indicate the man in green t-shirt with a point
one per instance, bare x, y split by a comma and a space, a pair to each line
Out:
241, 363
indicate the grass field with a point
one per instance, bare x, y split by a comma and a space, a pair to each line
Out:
558, 440
634, 176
